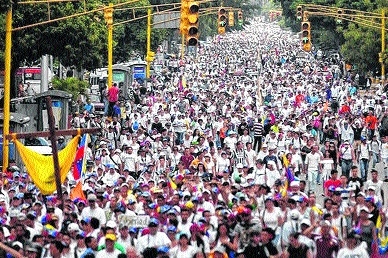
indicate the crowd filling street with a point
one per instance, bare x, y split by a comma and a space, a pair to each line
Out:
249, 147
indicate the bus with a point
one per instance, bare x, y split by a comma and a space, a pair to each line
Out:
124, 75
31, 75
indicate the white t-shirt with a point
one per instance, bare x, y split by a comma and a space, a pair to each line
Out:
157, 240
271, 218
103, 253
313, 160
358, 252
188, 253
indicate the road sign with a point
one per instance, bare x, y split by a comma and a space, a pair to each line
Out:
166, 20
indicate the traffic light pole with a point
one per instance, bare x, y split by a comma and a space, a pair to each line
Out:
149, 13
7, 86
359, 17
110, 52
183, 46
382, 47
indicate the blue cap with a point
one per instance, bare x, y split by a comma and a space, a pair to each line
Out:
131, 201
132, 230
165, 208
152, 205
146, 194
86, 220
19, 195
163, 249
171, 228
154, 221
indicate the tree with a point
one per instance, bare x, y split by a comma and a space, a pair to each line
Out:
78, 42
358, 42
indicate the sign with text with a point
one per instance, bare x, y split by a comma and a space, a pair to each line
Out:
138, 221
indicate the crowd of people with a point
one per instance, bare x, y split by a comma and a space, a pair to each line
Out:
224, 154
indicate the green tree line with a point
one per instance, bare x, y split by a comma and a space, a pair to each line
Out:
358, 44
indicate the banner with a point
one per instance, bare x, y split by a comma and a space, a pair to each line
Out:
138, 221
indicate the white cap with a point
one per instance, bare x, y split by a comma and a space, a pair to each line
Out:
325, 223
294, 183
306, 222
239, 165
73, 227
111, 224
364, 208
294, 215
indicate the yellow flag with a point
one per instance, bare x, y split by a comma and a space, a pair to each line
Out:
41, 167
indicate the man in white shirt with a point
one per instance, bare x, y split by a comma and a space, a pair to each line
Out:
92, 210
109, 250
312, 167
154, 239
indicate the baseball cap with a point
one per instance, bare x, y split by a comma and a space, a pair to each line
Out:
111, 224
154, 222
111, 237
364, 208
73, 227
172, 229
325, 223
294, 215
306, 222
92, 197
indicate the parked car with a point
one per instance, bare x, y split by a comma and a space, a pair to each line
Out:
39, 145
98, 105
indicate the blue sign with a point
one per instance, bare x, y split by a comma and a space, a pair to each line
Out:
139, 73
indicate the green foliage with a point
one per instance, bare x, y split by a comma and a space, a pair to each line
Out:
367, 42
358, 44
71, 85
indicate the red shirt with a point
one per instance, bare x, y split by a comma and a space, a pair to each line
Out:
330, 182
113, 94
371, 122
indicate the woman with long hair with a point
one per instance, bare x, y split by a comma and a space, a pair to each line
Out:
183, 249
199, 240
224, 239
272, 217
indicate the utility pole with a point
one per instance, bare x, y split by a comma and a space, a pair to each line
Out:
383, 55
108, 15
150, 55
7, 86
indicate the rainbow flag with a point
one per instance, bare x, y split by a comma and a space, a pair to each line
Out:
289, 176
79, 164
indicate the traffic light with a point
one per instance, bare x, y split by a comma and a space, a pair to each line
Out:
183, 27
231, 19
240, 19
340, 13
306, 36
221, 20
108, 15
299, 12
192, 28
